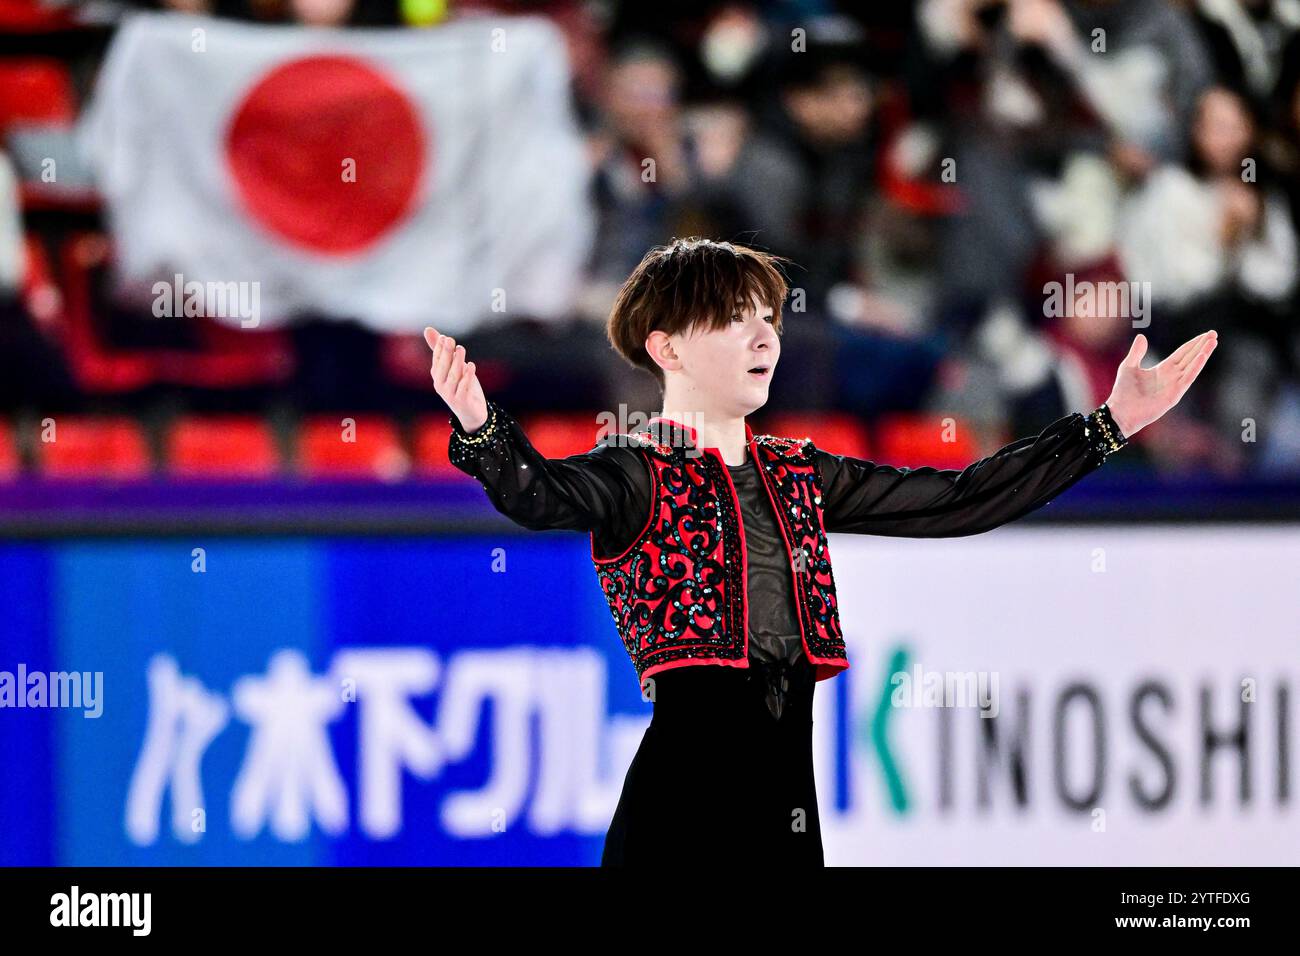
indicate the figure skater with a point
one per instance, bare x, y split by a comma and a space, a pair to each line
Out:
710, 542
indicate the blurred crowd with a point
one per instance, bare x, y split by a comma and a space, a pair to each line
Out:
933, 168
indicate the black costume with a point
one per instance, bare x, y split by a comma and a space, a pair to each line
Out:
686, 798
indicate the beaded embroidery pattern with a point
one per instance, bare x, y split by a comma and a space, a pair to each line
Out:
677, 592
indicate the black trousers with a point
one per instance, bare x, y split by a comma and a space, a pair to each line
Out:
717, 779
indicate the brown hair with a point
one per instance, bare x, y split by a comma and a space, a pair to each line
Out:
688, 282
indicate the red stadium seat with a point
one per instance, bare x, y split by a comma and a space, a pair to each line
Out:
35, 90
221, 446
914, 440
93, 447
10, 465
431, 435
31, 16
348, 446
560, 434
838, 433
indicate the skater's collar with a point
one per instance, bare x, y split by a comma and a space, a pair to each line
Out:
690, 432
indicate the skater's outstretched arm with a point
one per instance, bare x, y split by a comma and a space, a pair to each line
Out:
863, 497
605, 490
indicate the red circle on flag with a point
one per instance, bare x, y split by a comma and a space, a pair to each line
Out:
327, 153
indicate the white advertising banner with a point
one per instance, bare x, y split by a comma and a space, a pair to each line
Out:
1141, 686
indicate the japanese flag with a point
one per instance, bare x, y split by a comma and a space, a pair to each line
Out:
398, 177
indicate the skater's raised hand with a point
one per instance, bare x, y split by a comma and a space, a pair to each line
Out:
1143, 395
455, 382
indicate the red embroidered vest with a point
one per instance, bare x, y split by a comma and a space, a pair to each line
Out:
678, 593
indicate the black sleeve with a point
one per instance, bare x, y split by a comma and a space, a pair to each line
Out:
605, 491
861, 497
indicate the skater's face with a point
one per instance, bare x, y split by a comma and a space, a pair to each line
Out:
718, 362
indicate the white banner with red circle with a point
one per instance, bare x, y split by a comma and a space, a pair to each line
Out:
396, 177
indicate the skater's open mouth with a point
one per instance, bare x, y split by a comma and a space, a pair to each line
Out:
760, 370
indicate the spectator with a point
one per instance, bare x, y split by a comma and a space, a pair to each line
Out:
1220, 248
1246, 39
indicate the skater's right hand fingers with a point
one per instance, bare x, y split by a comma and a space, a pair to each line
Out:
455, 370
445, 350
454, 379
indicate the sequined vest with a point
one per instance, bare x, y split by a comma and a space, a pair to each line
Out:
678, 593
